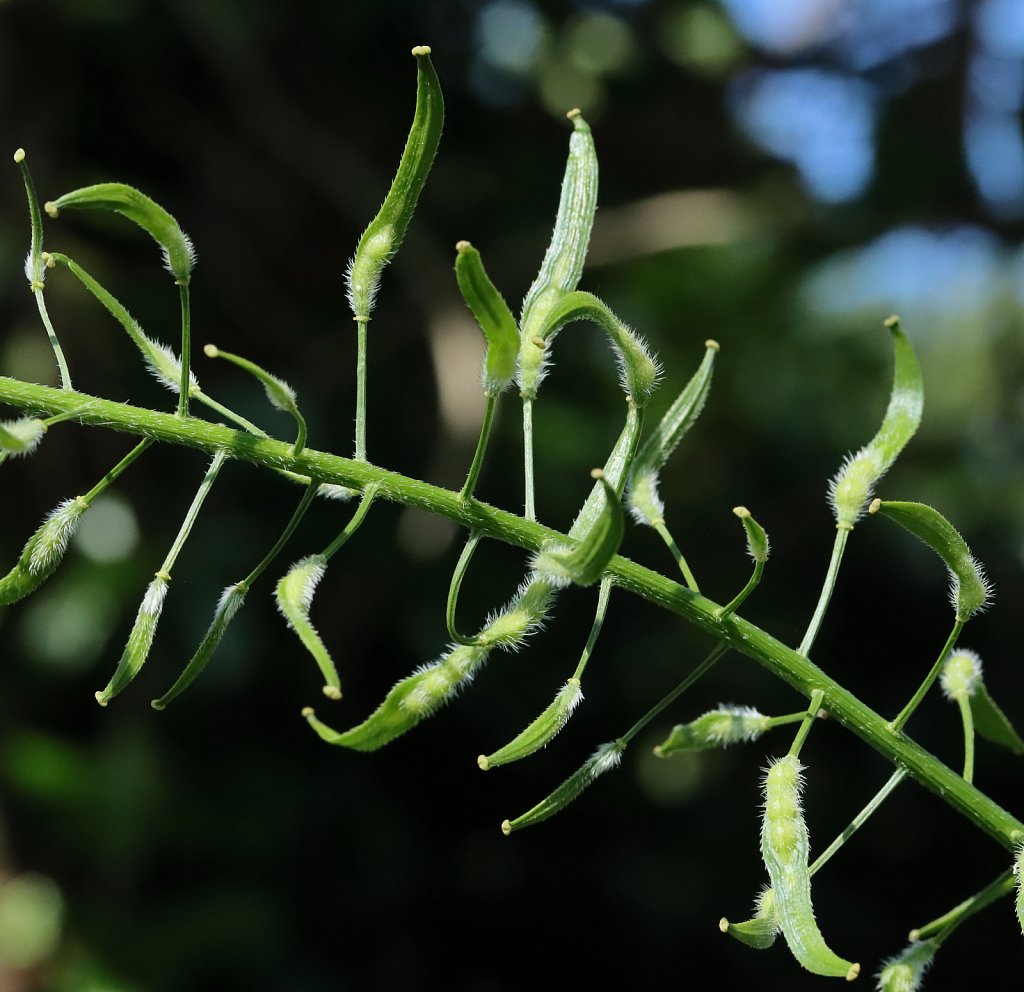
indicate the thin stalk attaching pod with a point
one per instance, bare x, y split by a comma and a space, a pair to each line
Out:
178, 251
851, 488
36, 265
279, 393
905, 971
294, 595
758, 548
545, 727
941, 928
720, 727
140, 640
896, 725
960, 679
231, 601
468, 550
760, 930
784, 847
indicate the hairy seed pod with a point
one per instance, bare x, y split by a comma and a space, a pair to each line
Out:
606, 757
851, 488
179, 253
905, 971
961, 674
717, 728
43, 552
761, 930
21, 437
294, 595
758, 546
785, 847
969, 589
541, 731
487, 305
384, 234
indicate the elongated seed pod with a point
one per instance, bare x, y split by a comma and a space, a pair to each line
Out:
644, 502
584, 562
179, 253
719, 727
21, 437
294, 595
605, 758
758, 546
969, 589
541, 731
491, 311
785, 847
761, 930
1018, 870
43, 552
992, 723
961, 674
140, 640
562, 267
35, 268
905, 971
385, 232
852, 486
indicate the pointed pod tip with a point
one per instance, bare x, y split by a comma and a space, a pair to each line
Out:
158, 704
421, 50
211, 350
875, 505
308, 712
741, 511
506, 827
853, 972
19, 156
51, 208
712, 344
658, 751
597, 473
574, 113
102, 698
893, 321
483, 763
461, 246
332, 692
723, 925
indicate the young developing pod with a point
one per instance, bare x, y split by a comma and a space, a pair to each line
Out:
644, 502
970, 591
541, 731
43, 552
584, 562
487, 305
294, 595
851, 488
717, 728
961, 674
140, 640
785, 847
20, 437
562, 267
761, 930
35, 266
606, 757
758, 546
905, 972
384, 234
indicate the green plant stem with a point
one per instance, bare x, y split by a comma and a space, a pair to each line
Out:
752, 583
666, 536
808, 721
742, 636
859, 820
828, 587
186, 348
361, 323
116, 471
964, 702
455, 585
942, 927
369, 495
907, 712
193, 512
481, 448
771, 722
296, 518
603, 596
713, 655
531, 508
62, 364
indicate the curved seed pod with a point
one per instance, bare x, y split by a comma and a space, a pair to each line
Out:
21, 437
717, 728
644, 502
638, 371
231, 601
992, 723
905, 972
385, 232
294, 594
430, 687
969, 591
851, 487
584, 562
179, 253
35, 267
606, 757
961, 674
784, 847
761, 930
758, 545
562, 267
43, 551
1018, 870
140, 640
541, 731
494, 317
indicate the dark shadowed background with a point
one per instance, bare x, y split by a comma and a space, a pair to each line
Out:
778, 175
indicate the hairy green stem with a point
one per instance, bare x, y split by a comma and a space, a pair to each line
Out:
186, 348
530, 506
453, 590
361, 323
481, 448
58, 351
828, 587
808, 721
666, 536
922, 690
595, 629
964, 702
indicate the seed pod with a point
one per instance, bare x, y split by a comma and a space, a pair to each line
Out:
384, 235
541, 731
992, 723
35, 267
140, 640
785, 847
20, 437
294, 594
717, 728
758, 546
761, 930
851, 488
584, 562
969, 590
644, 502
43, 552
179, 253
961, 674
563, 262
231, 601
905, 972
494, 317
606, 757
